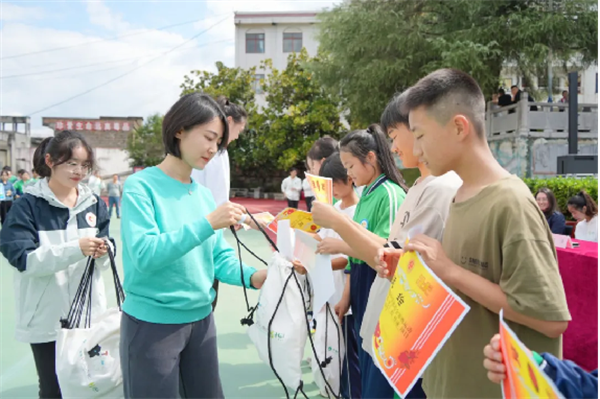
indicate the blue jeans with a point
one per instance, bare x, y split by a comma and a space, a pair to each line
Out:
113, 201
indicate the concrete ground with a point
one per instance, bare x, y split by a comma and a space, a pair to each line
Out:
242, 373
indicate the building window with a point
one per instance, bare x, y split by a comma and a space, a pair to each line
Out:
255, 42
256, 86
292, 42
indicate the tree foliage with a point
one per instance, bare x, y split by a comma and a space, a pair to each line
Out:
278, 135
369, 50
297, 113
145, 145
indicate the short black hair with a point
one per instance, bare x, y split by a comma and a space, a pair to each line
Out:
236, 111
293, 168
21, 171
501, 91
447, 92
7, 168
60, 148
333, 168
323, 148
393, 114
514, 87
189, 111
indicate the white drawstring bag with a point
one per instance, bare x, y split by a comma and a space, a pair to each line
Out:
331, 351
88, 363
279, 331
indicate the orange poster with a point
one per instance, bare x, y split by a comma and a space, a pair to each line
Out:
322, 188
300, 220
525, 379
419, 315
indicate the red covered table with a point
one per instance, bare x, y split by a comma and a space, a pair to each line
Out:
579, 271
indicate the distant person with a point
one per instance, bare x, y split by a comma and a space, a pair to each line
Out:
547, 202
7, 195
115, 189
96, 184
309, 196
291, 188
11, 178
585, 211
564, 99
21, 184
504, 99
516, 92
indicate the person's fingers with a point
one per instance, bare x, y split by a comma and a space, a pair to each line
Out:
494, 366
495, 377
417, 247
495, 342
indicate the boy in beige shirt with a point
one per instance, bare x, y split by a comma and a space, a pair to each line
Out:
497, 251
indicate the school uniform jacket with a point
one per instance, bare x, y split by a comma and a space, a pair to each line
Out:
40, 239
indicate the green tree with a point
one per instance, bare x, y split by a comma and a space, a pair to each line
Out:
237, 84
298, 111
369, 50
145, 145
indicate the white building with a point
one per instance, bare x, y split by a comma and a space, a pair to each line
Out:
272, 35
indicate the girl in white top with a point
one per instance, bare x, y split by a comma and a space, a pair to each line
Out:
585, 211
426, 205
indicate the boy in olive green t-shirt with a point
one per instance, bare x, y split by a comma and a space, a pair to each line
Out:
497, 251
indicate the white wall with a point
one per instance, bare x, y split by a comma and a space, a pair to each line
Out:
112, 160
273, 28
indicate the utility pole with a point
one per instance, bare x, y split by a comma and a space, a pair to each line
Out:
550, 72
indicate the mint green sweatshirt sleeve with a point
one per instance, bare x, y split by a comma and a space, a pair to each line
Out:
227, 264
151, 248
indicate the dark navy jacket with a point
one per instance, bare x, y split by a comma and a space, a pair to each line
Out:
571, 380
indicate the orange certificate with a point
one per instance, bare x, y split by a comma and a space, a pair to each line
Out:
322, 188
525, 379
419, 315
300, 220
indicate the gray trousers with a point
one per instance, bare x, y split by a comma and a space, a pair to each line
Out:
169, 360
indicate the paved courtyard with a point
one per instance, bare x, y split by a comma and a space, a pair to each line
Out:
242, 372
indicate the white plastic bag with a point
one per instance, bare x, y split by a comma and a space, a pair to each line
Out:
331, 350
87, 359
88, 363
288, 330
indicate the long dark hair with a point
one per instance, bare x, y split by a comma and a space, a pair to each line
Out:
236, 111
583, 199
360, 142
551, 200
60, 148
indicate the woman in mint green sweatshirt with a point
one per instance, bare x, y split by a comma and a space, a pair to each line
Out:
173, 250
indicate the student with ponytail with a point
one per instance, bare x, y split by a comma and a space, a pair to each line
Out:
216, 176
585, 211
48, 236
367, 157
